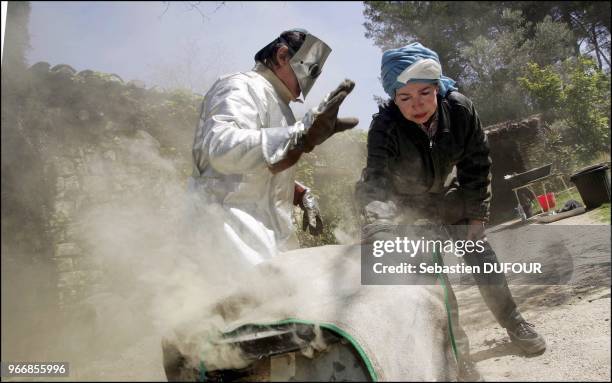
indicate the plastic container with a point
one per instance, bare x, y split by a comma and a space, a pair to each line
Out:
547, 201
593, 184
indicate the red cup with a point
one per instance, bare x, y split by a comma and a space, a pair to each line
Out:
547, 201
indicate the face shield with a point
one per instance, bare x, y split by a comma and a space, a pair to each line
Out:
307, 62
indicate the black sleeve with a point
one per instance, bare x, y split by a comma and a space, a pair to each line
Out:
374, 182
373, 191
473, 170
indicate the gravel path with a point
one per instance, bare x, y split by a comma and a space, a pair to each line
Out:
577, 333
573, 318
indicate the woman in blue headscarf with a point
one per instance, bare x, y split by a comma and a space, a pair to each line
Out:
428, 158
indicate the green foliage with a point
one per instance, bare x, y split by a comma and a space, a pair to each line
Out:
494, 62
589, 22
587, 108
551, 43
331, 171
602, 213
544, 86
484, 54
557, 148
576, 97
441, 26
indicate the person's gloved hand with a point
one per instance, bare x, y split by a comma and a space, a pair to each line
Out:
379, 221
325, 118
311, 219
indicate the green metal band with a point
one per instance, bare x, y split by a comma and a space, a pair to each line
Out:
328, 326
447, 305
202, 374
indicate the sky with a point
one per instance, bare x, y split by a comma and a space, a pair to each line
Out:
164, 43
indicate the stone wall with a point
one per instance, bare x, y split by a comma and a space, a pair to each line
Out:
96, 176
80, 129
78, 178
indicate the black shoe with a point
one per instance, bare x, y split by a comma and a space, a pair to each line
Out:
468, 372
524, 336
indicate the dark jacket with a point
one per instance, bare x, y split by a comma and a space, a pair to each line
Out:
418, 175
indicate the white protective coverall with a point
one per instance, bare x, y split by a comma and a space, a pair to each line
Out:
246, 124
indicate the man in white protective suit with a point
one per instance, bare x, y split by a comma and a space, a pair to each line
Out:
248, 140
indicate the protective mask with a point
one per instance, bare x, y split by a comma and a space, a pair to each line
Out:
308, 61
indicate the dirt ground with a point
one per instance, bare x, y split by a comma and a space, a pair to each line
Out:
574, 319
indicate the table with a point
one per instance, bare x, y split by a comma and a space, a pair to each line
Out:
529, 186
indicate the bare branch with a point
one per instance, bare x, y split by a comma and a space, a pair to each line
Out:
195, 5
219, 6
167, 3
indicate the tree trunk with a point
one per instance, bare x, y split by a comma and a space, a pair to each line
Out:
596, 46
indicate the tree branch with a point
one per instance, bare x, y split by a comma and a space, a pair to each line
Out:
167, 3
194, 5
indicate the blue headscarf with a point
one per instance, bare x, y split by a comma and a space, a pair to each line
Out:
394, 61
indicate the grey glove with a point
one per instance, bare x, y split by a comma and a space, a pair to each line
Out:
326, 122
379, 222
311, 219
